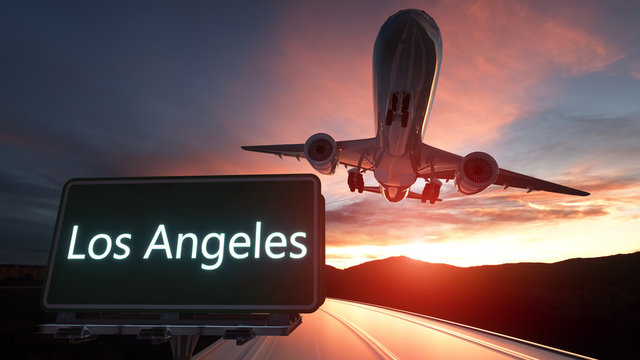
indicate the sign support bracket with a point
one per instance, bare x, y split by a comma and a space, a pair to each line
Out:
181, 329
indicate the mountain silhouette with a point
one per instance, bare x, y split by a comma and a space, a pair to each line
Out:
588, 306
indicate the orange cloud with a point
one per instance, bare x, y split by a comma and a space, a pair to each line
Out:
491, 227
494, 53
327, 70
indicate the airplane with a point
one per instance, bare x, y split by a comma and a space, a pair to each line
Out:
407, 57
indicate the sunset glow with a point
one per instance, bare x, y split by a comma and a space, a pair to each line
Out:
548, 88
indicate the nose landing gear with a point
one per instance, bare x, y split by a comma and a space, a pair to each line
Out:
393, 110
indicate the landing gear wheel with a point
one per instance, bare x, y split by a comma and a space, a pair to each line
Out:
389, 117
360, 183
426, 192
405, 102
355, 180
431, 192
351, 181
405, 110
436, 193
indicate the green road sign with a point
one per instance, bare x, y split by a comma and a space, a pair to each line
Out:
214, 243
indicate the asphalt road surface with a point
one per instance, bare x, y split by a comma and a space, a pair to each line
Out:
350, 330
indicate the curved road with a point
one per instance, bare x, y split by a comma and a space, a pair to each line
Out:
350, 330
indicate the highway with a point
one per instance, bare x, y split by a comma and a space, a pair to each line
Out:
351, 330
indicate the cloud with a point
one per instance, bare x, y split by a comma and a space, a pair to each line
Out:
493, 213
572, 149
173, 92
29, 201
321, 73
635, 69
495, 52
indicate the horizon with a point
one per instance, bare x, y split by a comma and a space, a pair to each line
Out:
473, 266
547, 88
422, 261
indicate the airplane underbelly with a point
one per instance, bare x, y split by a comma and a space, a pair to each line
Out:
395, 171
397, 138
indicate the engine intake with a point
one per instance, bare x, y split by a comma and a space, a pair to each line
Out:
322, 153
476, 172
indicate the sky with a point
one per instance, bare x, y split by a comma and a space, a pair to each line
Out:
548, 88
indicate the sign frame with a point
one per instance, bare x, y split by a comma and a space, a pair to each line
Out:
316, 248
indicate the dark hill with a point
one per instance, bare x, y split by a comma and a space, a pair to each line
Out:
588, 306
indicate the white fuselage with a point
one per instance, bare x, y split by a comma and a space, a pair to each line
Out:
406, 62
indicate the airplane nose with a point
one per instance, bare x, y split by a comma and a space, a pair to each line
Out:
408, 18
402, 20
412, 20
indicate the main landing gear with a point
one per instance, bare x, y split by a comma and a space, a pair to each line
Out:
431, 191
355, 180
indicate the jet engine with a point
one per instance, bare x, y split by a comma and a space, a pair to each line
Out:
476, 172
322, 153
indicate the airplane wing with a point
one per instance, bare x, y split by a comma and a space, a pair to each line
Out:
508, 178
445, 164
350, 152
295, 150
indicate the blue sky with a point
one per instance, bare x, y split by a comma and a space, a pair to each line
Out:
549, 88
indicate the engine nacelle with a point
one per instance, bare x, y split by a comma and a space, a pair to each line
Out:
322, 153
476, 172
